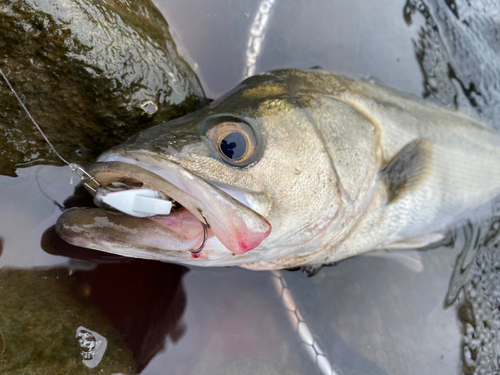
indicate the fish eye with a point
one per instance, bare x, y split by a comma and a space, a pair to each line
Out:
233, 146
235, 141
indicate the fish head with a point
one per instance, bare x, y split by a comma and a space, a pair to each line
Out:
251, 167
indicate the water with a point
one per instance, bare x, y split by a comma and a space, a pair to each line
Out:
365, 315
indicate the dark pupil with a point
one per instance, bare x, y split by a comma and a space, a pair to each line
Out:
233, 146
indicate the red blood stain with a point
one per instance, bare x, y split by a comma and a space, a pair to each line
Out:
248, 241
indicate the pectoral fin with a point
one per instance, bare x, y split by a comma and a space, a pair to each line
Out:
408, 170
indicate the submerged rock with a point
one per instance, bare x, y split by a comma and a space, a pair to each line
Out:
38, 327
109, 319
92, 73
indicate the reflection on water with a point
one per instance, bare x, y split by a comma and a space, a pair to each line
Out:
46, 295
387, 321
310, 344
93, 346
143, 300
364, 315
458, 53
257, 33
476, 275
40, 311
480, 315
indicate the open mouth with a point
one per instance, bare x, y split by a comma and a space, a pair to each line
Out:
202, 215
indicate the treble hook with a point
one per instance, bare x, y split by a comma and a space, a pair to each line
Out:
205, 226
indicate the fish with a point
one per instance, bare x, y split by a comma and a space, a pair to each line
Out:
295, 168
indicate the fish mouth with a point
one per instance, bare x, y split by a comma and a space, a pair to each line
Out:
203, 215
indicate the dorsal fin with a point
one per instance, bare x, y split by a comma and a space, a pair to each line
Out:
409, 169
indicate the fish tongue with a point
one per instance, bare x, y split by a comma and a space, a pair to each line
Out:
126, 235
183, 223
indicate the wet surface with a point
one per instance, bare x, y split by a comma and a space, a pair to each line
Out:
364, 315
90, 74
457, 50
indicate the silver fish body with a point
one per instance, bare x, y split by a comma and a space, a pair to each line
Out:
296, 168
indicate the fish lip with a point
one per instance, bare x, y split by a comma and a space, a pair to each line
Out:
237, 226
118, 171
84, 227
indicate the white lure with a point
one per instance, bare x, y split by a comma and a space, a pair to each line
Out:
134, 202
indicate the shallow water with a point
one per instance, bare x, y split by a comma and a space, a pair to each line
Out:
365, 315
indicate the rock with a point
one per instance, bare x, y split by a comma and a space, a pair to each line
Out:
38, 324
91, 72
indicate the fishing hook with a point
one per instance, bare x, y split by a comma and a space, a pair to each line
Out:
205, 226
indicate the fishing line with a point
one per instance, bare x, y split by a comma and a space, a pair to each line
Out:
82, 173
56, 203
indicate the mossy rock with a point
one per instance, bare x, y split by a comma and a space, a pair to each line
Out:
91, 72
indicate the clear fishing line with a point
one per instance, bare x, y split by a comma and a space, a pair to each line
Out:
74, 167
